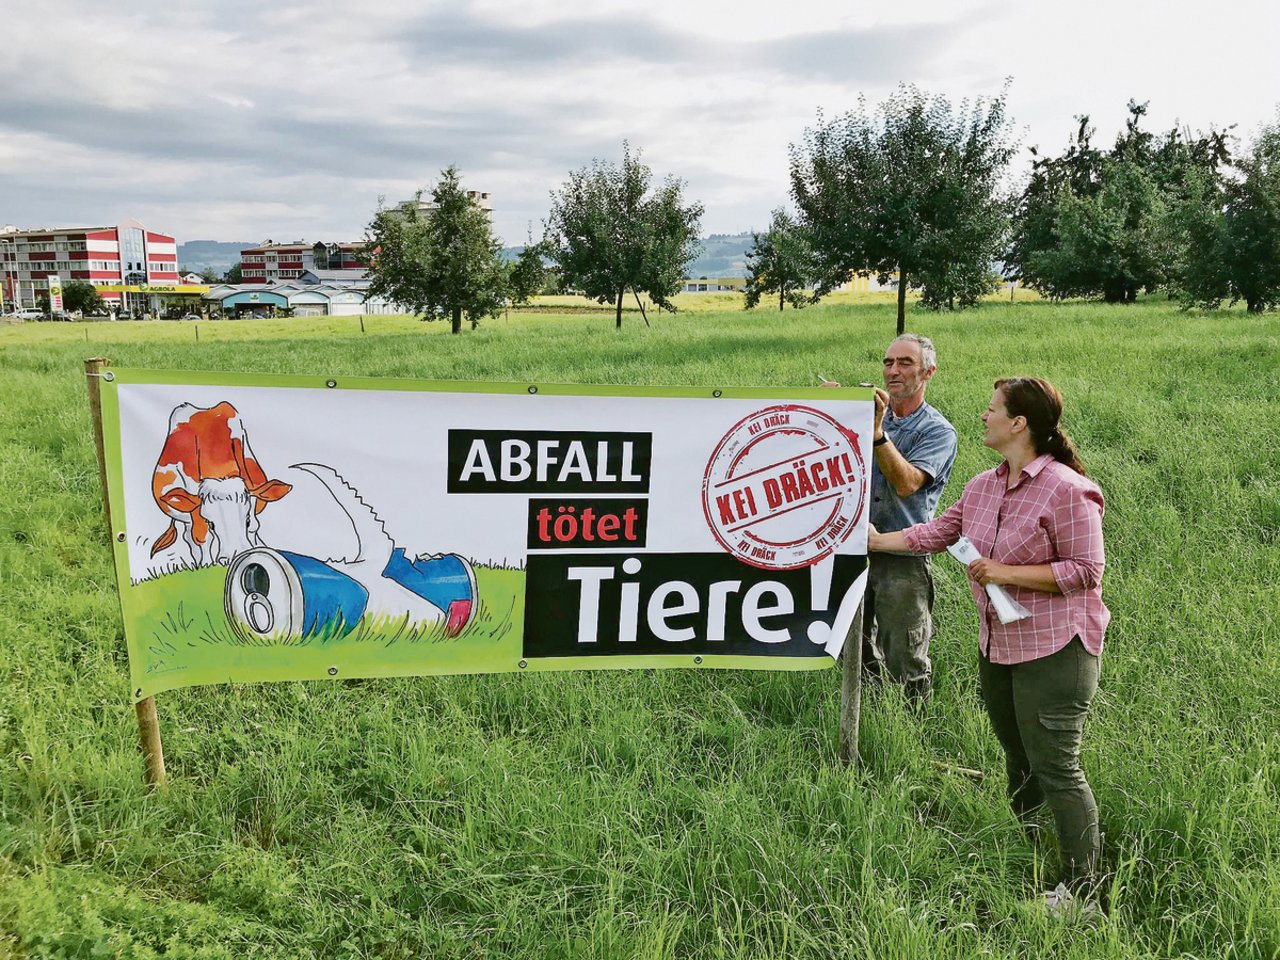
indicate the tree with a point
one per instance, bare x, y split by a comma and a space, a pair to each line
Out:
1230, 246
234, 275
442, 261
209, 275
81, 296
1097, 224
527, 275
912, 191
609, 233
781, 260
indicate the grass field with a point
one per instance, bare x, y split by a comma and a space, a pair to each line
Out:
660, 813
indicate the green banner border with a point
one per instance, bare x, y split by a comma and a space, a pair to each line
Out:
379, 665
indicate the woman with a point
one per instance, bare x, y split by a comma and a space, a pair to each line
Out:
1037, 522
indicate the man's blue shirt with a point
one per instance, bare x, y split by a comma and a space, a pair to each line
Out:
927, 440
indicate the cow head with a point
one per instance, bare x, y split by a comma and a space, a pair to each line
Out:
230, 509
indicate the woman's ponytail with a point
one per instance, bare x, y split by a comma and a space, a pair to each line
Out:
1040, 403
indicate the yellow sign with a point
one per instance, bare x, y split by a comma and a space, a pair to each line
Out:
154, 288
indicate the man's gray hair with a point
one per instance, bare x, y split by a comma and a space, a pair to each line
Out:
928, 354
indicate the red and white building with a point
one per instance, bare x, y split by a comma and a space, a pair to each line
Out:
273, 262
127, 253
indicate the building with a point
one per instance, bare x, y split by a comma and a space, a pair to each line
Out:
125, 254
271, 262
723, 285
316, 293
480, 198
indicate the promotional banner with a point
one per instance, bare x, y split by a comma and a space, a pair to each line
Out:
281, 527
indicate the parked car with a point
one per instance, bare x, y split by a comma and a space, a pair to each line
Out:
192, 316
28, 313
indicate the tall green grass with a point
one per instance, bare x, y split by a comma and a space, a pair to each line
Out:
660, 814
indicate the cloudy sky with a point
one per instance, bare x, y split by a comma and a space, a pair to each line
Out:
245, 121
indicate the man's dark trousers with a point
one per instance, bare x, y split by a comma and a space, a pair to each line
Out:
897, 623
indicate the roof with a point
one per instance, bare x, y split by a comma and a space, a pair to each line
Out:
26, 231
268, 245
301, 245
322, 276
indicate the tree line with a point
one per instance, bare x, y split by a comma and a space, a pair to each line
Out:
915, 192
611, 231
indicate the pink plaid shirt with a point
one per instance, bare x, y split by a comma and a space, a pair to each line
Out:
1051, 515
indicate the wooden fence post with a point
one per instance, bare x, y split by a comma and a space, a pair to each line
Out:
851, 689
148, 721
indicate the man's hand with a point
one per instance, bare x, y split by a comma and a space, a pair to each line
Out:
985, 570
882, 404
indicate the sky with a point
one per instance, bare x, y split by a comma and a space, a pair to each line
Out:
246, 121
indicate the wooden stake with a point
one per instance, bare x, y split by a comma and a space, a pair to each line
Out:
644, 315
851, 691
148, 721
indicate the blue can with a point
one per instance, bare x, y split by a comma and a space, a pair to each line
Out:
283, 597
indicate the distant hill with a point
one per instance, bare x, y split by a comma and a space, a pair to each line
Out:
218, 254
723, 255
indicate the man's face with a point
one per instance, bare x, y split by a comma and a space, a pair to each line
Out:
904, 374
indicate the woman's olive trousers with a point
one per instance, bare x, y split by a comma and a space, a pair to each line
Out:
1037, 709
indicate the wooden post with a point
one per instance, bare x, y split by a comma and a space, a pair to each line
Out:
148, 721
851, 690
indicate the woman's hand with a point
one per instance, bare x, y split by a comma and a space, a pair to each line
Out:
1038, 577
878, 542
985, 570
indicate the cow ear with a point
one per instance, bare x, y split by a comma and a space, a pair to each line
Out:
181, 500
272, 490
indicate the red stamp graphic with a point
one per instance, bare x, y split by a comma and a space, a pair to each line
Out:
784, 487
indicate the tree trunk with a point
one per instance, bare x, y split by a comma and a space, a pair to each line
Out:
457, 319
902, 301
618, 321
782, 298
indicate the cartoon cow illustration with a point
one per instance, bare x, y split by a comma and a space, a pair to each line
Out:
208, 481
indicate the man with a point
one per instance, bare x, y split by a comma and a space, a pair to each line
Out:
915, 447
